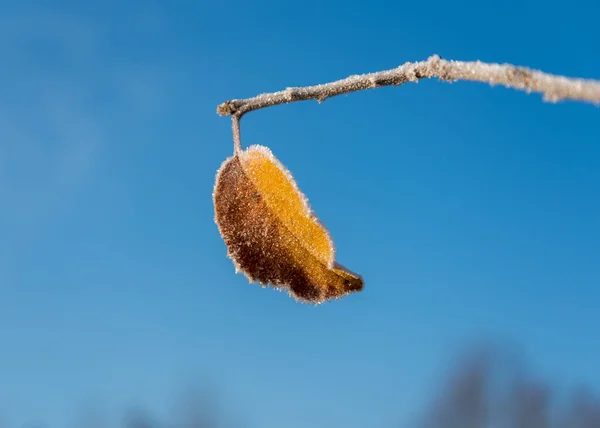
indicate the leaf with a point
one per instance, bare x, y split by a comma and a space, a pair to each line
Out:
271, 233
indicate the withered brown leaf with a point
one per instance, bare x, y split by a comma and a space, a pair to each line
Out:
271, 233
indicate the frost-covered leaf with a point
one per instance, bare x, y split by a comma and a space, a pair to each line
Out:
271, 233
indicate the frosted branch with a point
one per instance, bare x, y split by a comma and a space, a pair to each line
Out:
553, 87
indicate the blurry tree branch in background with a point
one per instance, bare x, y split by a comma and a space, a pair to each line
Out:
486, 389
553, 87
485, 392
138, 418
462, 402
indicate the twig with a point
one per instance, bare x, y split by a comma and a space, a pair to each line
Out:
553, 87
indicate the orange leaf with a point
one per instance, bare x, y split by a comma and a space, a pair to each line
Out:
271, 233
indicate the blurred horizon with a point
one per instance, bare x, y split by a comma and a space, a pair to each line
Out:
486, 384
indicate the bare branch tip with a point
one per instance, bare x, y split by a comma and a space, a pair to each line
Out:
225, 109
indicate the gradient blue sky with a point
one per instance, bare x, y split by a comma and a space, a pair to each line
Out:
470, 211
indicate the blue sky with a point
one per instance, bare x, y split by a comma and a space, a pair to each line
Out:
471, 212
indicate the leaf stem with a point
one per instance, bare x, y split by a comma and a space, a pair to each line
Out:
237, 139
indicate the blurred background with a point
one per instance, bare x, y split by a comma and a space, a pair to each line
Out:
471, 212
